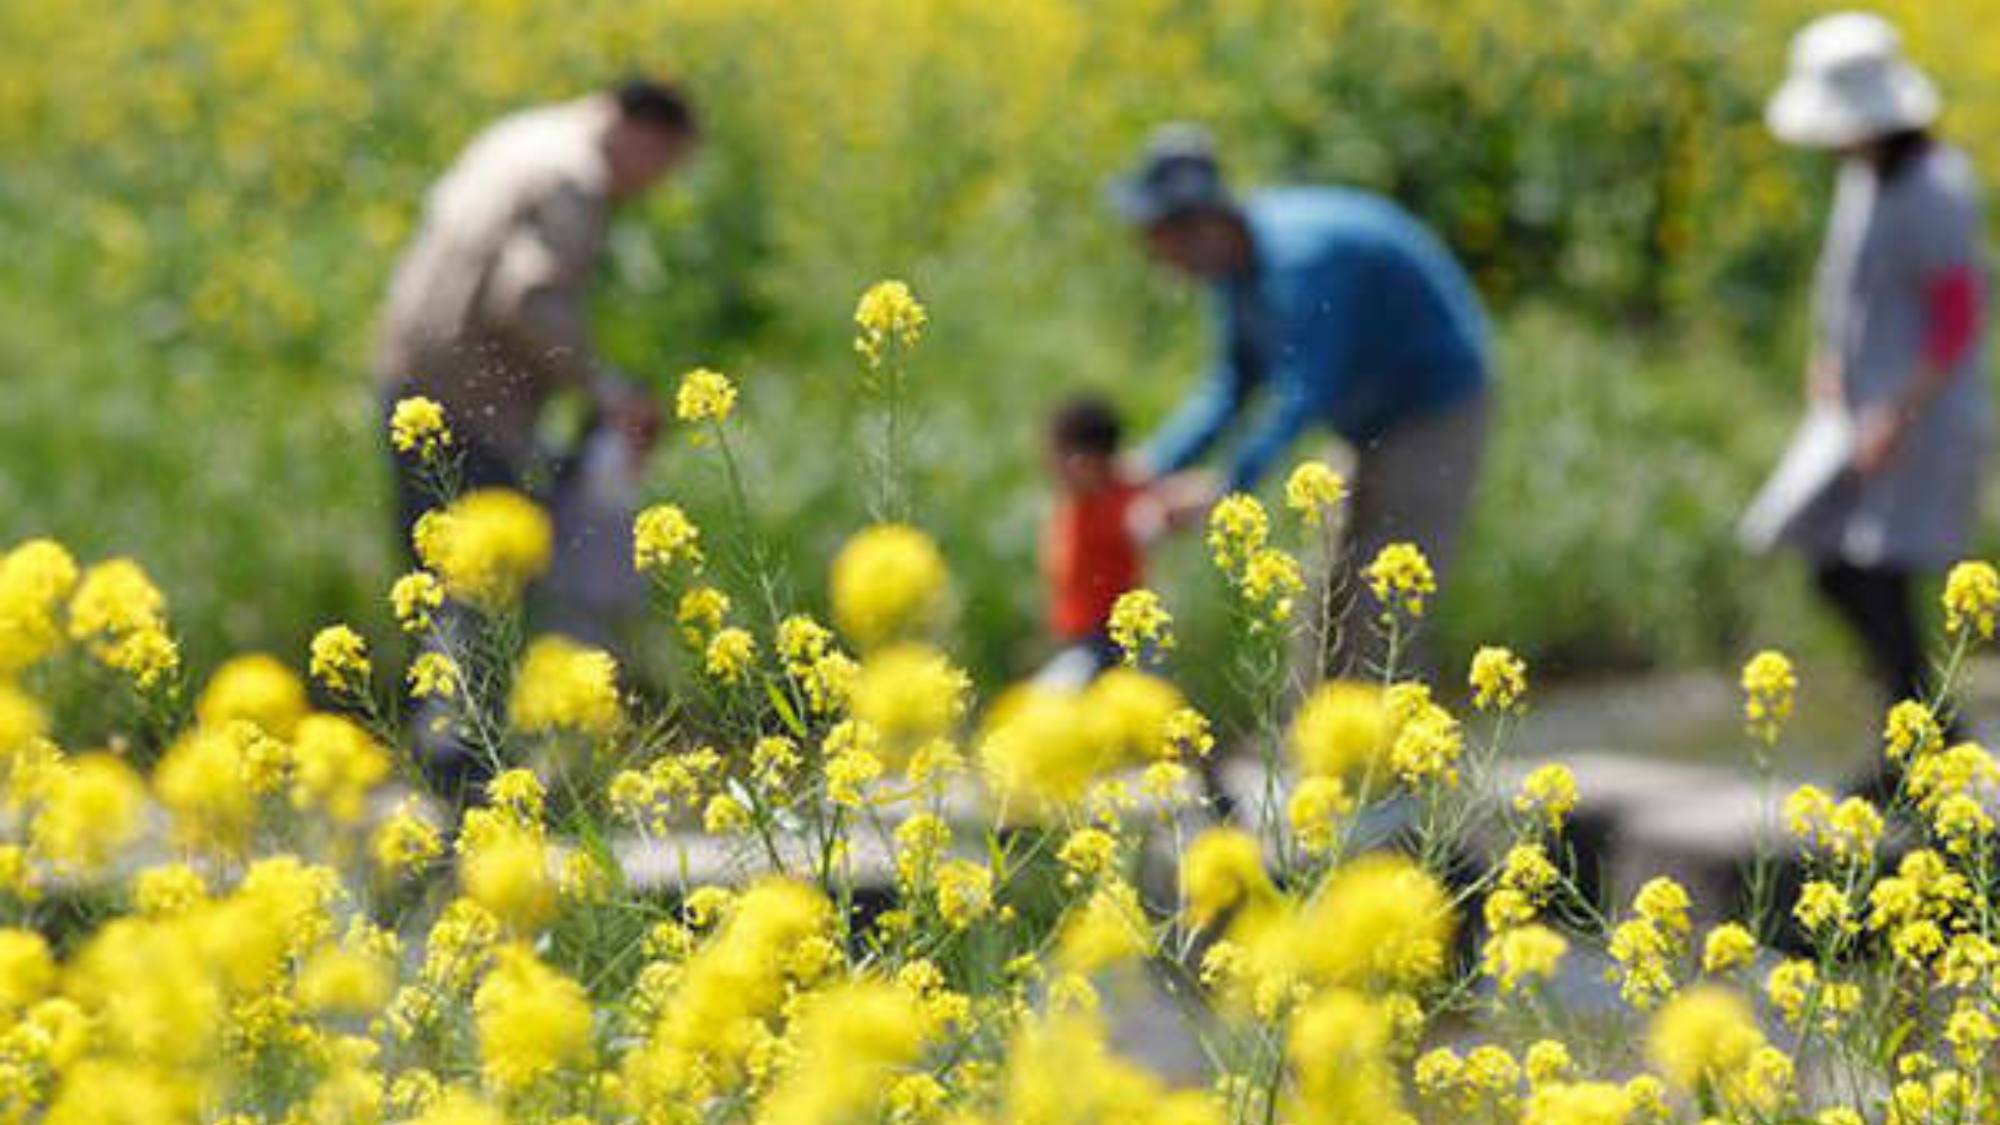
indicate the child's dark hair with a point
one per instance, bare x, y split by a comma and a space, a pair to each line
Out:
1085, 424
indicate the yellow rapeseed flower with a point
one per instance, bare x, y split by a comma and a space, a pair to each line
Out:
888, 581
92, 810
1520, 954
887, 314
564, 686
731, 655
1222, 875
486, 546
850, 1039
1108, 928
1822, 906
509, 873
335, 765
415, 597
1134, 715
1343, 728
27, 970
1971, 597
433, 675
118, 612
1139, 625
255, 688
205, 782
1401, 577
662, 535
1911, 730
417, 425
532, 1021
35, 577
700, 613
910, 692
405, 842
342, 981
1702, 1037
964, 892
1664, 903
1314, 490
22, 720
1728, 946
114, 598
340, 660
1768, 687
1549, 789
1270, 582
1041, 748
1498, 679
1546, 1060
1578, 1103
1426, 747
1237, 529
1379, 920
704, 396
1314, 810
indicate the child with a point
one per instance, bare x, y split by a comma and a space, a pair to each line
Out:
1091, 547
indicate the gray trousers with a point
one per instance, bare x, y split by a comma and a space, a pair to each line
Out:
1413, 484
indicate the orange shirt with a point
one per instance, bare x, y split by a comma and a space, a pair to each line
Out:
1089, 558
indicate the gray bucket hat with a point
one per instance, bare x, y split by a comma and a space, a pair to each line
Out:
1176, 173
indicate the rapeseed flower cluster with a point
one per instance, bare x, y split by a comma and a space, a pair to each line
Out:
1401, 578
564, 686
417, 426
888, 581
1768, 687
704, 396
120, 616
486, 546
888, 316
1971, 598
847, 883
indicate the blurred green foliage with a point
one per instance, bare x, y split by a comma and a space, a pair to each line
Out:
201, 204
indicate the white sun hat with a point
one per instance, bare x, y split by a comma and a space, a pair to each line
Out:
1849, 83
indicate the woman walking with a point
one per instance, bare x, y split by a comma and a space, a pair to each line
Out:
1899, 336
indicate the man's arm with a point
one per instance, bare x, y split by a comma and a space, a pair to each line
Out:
1200, 419
1315, 361
1277, 427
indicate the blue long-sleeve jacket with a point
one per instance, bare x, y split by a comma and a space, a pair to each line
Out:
1354, 316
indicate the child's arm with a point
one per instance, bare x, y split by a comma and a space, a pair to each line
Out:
1146, 518
1181, 500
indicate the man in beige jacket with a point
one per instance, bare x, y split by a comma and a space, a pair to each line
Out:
488, 315
487, 312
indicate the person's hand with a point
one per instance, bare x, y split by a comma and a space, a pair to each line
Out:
1186, 497
1133, 470
1879, 435
633, 413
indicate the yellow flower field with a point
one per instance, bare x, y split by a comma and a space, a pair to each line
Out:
902, 897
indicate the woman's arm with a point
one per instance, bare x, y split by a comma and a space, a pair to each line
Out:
1954, 301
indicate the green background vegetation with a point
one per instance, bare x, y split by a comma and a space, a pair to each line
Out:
201, 206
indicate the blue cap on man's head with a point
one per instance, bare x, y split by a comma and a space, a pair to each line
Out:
1176, 173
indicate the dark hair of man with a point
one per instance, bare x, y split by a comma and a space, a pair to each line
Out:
1085, 424
660, 105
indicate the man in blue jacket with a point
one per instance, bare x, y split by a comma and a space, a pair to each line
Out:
1339, 310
